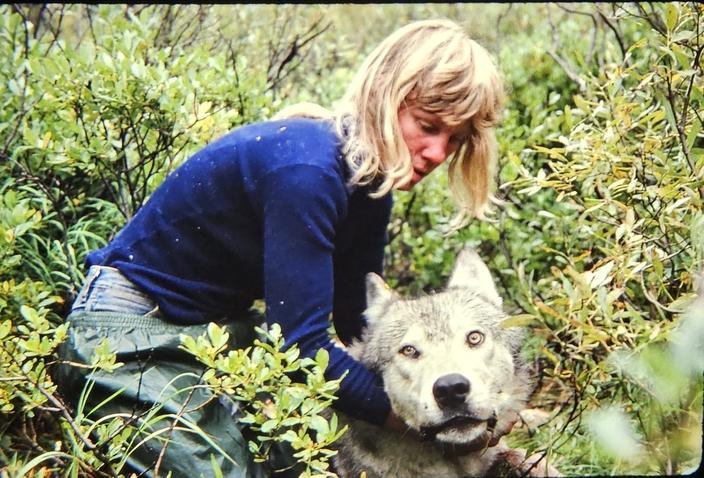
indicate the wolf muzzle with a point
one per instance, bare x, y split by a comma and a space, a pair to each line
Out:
451, 390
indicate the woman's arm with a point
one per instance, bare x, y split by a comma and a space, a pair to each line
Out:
301, 208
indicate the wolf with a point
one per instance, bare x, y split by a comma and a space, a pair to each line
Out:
451, 372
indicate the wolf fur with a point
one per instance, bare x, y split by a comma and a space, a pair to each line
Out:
452, 373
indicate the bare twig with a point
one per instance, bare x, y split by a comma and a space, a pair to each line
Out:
571, 10
499, 19
568, 71
681, 124
23, 108
281, 55
57, 403
164, 26
84, 439
592, 42
652, 18
242, 109
90, 23
172, 426
564, 64
614, 29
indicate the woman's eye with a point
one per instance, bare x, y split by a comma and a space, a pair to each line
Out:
428, 127
475, 338
410, 351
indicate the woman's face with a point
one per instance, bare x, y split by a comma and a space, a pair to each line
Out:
430, 141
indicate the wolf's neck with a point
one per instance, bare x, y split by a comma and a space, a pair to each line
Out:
387, 453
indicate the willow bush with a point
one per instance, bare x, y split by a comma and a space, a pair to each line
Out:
100, 103
596, 237
626, 172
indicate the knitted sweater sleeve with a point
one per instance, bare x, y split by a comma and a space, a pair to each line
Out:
300, 206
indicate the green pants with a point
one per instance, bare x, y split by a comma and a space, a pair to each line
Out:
160, 380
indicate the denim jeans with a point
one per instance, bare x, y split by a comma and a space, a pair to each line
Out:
158, 388
107, 290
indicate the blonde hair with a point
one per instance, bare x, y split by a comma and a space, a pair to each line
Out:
433, 65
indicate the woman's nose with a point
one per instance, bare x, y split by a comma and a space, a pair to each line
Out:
436, 151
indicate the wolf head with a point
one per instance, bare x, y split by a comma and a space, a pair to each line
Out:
450, 370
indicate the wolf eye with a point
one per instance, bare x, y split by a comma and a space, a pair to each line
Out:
475, 338
410, 351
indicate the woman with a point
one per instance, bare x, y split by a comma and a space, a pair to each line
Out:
294, 211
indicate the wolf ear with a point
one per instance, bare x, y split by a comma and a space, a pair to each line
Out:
377, 290
471, 272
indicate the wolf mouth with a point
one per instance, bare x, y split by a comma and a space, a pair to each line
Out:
456, 422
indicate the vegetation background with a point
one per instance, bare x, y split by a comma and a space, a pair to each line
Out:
595, 238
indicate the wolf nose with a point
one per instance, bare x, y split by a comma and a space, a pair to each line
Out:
451, 390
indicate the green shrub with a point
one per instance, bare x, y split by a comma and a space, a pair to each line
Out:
618, 182
596, 239
91, 123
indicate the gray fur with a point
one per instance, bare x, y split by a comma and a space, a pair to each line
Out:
437, 327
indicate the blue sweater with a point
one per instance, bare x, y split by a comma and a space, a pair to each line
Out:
265, 212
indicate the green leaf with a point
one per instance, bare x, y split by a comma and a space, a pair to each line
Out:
5, 328
218, 336
519, 320
581, 103
268, 426
29, 314
322, 358
600, 276
668, 111
320, 425
188, 343
693, 132
683, 35
217, 471
671, 15
683, 302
